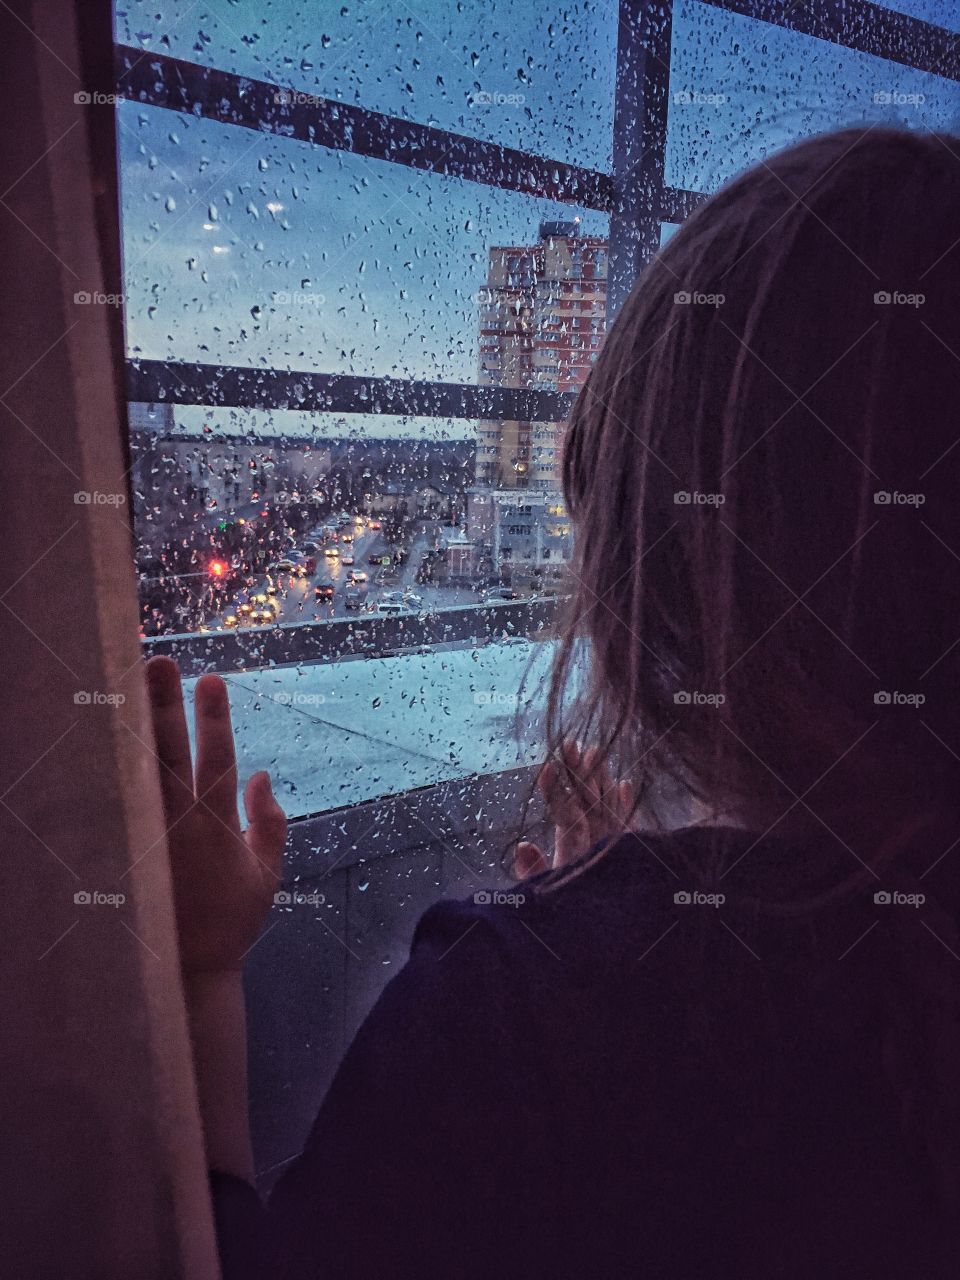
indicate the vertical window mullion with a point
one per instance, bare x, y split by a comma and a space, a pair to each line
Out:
639, 141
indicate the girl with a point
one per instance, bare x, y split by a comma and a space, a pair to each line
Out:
729, 1049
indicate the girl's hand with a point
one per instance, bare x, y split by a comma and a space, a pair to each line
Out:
585, 811
223, 879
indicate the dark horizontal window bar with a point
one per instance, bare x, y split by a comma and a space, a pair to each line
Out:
162, 81
369, 636
676, 204
864, 27
234, 386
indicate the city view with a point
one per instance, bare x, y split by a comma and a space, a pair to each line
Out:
240, 530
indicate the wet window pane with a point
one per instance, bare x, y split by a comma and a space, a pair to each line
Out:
537, 75
941, 13
246, 249
740, 89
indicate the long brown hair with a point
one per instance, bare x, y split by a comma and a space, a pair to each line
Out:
764, 474
765, 490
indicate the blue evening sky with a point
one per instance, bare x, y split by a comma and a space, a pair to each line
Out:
245, 248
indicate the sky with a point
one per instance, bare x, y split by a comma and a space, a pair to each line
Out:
245, 248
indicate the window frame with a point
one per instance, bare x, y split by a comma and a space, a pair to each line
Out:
633, 193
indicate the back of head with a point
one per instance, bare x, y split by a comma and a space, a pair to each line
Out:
764, 471
764, 476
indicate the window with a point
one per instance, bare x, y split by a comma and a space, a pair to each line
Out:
364, 248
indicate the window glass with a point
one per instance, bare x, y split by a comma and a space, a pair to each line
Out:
537, 75
248, 249
941, 13
740, 89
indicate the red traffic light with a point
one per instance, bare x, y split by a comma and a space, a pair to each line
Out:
216, 569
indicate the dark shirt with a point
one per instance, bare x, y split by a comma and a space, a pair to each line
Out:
604, 1081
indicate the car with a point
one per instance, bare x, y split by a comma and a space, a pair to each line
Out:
375, 557
311, 547
391, 606
375, 524
286, 565
355, 596
231, 620
331, 553
498, 595
346, 537
356, 575
323, 592
346, 560
263, 617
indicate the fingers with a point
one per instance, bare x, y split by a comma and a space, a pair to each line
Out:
584, 801
216, 772
172, 739
529, 860
267, 824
